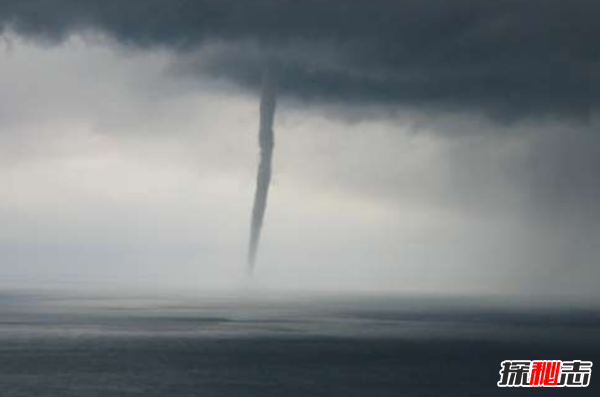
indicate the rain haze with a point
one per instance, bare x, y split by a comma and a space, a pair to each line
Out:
344, 148
460, 159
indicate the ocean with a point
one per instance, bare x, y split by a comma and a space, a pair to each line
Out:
62, 345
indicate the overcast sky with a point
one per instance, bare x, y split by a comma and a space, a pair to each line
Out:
430, 146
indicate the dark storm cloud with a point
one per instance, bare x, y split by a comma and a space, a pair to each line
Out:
508, 58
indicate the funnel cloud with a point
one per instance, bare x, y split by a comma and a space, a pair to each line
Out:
266, 143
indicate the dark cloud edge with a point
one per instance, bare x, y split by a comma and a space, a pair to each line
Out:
508, 59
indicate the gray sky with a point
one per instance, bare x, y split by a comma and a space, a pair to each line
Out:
466, 161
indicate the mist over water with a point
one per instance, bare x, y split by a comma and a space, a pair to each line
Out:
262, 314
271, 345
